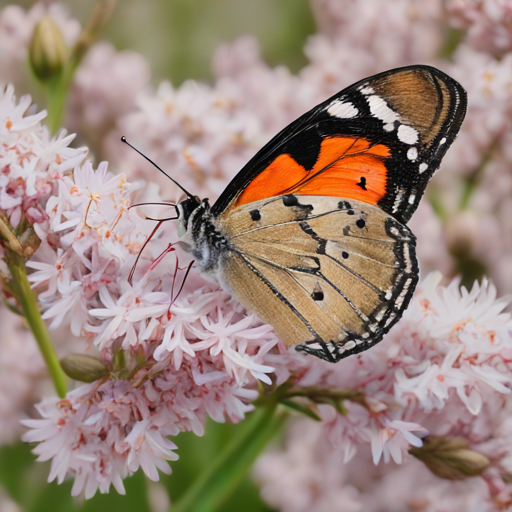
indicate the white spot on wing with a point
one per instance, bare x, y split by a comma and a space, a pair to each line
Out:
401, 297
380, 315
412, 154
398, 201
407, 258
367, 90
390, 319
442, 141
380, 109
341, 109
350, 344
407, 134
412, 197
423, 167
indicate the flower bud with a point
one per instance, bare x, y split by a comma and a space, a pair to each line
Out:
461, 233
83, 368
48, 51
450, 458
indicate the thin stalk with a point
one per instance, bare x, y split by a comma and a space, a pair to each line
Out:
56, 93
28, 301
215, 484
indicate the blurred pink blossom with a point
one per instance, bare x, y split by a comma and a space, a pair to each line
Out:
21, 372
103, 89
309, 474
488, 23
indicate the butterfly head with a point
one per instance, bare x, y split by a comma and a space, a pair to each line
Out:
189, 208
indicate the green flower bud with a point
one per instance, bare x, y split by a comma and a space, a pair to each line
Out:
48, 51
83, 368
450, 458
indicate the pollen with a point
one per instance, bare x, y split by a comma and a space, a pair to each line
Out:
8, 124
425, 303
95, 195
58, 159
74, 190
440, 378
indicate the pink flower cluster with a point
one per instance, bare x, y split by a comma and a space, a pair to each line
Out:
183, 357
103, 432
31, 160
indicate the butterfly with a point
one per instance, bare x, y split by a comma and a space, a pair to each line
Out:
311, 234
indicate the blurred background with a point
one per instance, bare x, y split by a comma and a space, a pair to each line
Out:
179, 37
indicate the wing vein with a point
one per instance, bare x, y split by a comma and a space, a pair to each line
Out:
289, 272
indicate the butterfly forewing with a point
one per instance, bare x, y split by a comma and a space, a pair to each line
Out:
378, 141
331, 276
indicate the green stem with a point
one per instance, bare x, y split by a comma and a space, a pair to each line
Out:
227, 470
473, 180
28, 301
57, 87
56, 92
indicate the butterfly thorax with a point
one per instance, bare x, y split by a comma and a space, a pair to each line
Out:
200, 235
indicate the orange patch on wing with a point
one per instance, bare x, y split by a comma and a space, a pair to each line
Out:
341, 164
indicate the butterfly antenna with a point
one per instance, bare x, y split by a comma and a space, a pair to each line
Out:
123, 139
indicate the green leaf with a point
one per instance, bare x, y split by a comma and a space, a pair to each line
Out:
301, 408
24, 480
15, 462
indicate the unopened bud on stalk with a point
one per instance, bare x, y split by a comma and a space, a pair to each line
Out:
450, 458
83, 368
48, 51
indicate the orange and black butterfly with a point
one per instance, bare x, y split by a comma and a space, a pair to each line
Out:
311, 234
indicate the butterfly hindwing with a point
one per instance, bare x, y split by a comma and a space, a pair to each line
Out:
331, 276
378, 141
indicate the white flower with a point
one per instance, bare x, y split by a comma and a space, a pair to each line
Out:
394, 438
30, 160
